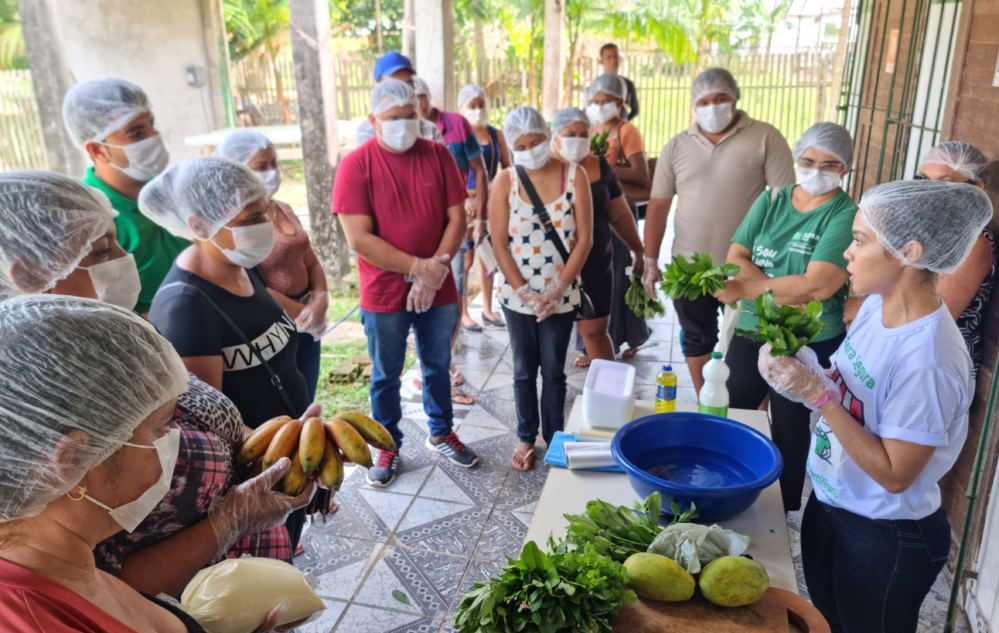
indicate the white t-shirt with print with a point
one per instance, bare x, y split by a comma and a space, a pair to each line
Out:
910, 383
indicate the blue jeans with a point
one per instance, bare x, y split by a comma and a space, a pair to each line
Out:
309, 350
870, 575
387, 334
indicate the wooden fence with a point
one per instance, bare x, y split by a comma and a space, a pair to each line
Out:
20, 132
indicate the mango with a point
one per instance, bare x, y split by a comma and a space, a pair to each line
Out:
733, 581
658, 578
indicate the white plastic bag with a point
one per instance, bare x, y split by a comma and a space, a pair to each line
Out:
236, 595
693, 545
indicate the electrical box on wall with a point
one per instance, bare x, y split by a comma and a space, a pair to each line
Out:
197, 76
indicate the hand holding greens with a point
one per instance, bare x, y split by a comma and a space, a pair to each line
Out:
691, 279
644, 306
787, 328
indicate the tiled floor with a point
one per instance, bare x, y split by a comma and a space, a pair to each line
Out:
397, 560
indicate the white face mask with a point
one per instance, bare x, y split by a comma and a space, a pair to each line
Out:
253, 244
146, 159
116, 281
400, 134
573, 148
130, 515
475, 116
714, 118
272, 180
602, 113
818, 182
534, 158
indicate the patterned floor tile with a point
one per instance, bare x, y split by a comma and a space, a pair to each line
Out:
499, 381
478, 359
356, 518
325, 622
429, 581
339, 563
478, 416
655, 351
660, 331
479, 486
360, 619
522, 489
478, 571
475, 381
496, 450
499, 404
505, 364
503, 536
442, 526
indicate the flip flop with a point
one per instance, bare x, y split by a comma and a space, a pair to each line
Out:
457, 379
527, 459
582, 361
459, 397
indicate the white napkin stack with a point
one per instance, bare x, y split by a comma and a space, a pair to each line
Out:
588, 455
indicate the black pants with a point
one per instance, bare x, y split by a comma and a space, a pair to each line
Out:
539, 345
789, 420
295, 524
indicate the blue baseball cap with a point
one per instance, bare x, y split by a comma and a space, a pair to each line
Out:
391, 63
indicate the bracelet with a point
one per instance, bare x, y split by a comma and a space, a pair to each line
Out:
824, 400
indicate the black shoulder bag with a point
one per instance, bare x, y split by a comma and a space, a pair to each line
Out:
586, 310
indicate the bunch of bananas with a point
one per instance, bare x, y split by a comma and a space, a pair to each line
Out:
316, 448
599, 144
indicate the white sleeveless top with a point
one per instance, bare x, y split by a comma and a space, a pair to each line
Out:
532, 249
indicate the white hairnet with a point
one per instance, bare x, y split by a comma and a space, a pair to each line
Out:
828, 138
194, 199
420, 87
242, 145
47, 225
963, 158
98, 108
567, 116
524, 120
713, 81
469, 92
391, 93
945, 217
611, 83
78, 375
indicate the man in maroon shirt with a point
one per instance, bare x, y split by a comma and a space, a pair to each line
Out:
400, 200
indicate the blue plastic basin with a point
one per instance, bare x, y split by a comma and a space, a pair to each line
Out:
719, 464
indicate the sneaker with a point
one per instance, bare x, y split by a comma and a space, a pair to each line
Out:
452, 448
383, 473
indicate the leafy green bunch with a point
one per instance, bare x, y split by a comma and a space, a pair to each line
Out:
691, 279
787, 328
599, 144
641, 303
616, 531
560, 592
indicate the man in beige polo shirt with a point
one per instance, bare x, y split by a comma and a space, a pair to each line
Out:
716, 168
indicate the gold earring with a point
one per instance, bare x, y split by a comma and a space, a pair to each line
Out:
83, 493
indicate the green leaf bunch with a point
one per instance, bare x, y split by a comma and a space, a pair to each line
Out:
599, 144
562, 591
616, 531
787, 328
691, 279
644, 306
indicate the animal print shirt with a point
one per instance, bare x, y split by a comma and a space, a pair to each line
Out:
972, 320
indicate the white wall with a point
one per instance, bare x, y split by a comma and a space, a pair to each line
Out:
147, 42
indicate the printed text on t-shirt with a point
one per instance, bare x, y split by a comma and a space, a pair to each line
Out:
859, 371
268, 345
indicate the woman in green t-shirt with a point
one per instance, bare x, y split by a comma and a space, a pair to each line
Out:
792, 242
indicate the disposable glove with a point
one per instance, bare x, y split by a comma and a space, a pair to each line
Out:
531, 299
420, 298
431, 271
799, 379
651, 276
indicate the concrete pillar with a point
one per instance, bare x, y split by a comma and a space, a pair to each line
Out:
435, 49
409, 29
551, 69
50, 80
218, 105
309, 26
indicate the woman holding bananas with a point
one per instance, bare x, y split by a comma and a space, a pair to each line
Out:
57, 236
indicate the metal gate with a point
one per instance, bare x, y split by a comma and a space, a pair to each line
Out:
899, 55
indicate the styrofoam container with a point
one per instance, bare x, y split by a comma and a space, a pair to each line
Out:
608, 395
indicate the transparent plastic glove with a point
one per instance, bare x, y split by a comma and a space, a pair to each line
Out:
270, 622
637, 265
431, 271
420, 298
315, 313
531, 299
480, 229
800, 379
252, 506
651, 276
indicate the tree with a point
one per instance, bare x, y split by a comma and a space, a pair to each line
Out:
760, 19
259, 26
362, 18
12, 52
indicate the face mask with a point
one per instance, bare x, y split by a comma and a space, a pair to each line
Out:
534, 158
116, 282
400, 134
602, 113
272, 180
816, 181
475, 116
130, 515
146, 159
253, 244
574, 149
714, 118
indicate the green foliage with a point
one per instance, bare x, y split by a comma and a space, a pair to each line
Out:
787, 328
560, 592
616, 531
12, 52
758, 20
644, 306
686, 516
255, 24
357, 18
691, 279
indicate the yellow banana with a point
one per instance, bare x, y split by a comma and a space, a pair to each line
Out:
310, 444
295, 479
256, 445
372, 432
331, 468
284, 443
349, 441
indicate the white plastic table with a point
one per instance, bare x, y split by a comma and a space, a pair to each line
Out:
567, 491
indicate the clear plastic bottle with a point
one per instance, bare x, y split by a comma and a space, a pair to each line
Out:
713, 398
666, 390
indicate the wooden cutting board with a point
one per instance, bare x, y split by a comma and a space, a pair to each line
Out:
773, 613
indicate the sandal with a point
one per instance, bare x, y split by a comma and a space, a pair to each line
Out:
631, 351
459, 397
523, 461
582, 361
457, 379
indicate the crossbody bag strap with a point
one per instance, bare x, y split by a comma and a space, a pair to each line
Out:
546, 220
275, 379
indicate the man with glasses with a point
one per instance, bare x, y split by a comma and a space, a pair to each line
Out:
717, 167
395, 65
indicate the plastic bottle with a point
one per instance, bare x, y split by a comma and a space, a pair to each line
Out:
713, 398
666, 390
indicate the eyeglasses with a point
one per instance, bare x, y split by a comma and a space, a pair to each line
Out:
960, 182
920, 177
827, 166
